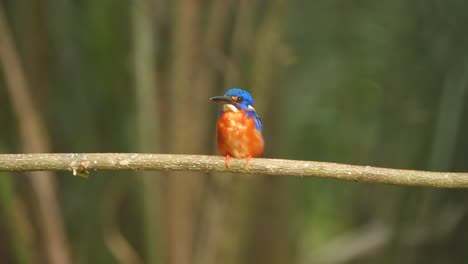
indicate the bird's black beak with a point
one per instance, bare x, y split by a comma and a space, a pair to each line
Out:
221, 99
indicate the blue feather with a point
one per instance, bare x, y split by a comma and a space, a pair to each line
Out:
244, 105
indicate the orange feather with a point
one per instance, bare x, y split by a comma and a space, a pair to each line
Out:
237, 135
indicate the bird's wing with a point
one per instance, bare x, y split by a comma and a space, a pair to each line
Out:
258, 122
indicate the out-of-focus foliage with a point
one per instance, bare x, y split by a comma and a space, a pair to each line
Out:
360, 82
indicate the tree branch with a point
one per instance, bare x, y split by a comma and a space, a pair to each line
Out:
80, 163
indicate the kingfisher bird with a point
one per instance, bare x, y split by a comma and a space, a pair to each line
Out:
238, 128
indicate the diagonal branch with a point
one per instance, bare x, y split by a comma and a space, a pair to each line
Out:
83, 162
34, 138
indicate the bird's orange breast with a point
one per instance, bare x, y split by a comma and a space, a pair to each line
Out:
238, 136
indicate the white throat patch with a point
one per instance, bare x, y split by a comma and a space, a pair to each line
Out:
229, 107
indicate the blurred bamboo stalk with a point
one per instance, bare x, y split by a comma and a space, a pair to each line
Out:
34, 139
32, 29
183, 189
267, 67
115, 240
242, 41
211, 238
454, 95
147, 119
266, 53
18, 243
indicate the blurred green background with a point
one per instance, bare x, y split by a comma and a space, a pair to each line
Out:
366, 82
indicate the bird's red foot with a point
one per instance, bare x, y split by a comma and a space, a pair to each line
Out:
247, 161
228, 158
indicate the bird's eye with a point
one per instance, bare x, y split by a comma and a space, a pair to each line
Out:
239, 99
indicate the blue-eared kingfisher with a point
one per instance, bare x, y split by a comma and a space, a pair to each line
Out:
238, 128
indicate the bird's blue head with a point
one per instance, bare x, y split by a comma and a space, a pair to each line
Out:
235, 99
